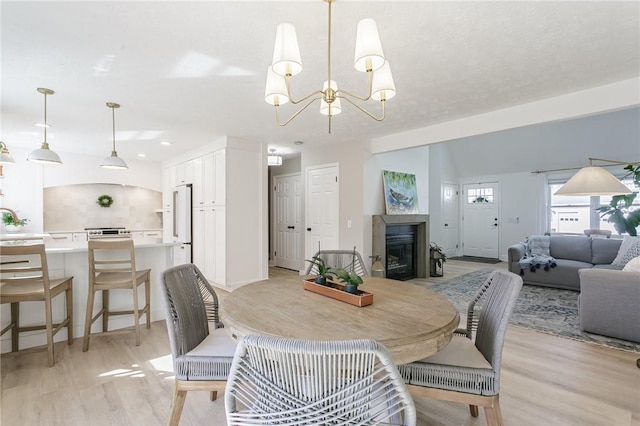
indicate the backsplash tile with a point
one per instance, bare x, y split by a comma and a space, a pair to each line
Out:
75, 207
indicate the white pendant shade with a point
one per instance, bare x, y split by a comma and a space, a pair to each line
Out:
286, 53
275, 93
382, 86
114, 162
368, 46
335, 107
5, 156
44, 156
592, 181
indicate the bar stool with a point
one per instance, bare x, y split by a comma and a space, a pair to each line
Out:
112, 266
25, 278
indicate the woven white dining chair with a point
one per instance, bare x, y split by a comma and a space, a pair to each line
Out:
283, 381
348, 260
468, 371
202, 352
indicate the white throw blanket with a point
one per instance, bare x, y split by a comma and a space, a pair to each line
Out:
537, 254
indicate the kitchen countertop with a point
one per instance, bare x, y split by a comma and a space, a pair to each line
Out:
69, 246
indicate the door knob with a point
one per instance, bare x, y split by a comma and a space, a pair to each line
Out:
308, 229
495, 224
446, 224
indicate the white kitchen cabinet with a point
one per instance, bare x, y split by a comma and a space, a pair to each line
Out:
79, 236
209, 242
61, 237
152, 235
137, 235
182, 173
209, 187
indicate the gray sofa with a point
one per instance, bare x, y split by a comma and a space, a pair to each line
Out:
572, 253
608, 303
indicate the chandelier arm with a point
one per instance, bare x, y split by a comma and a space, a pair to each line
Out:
353, 95
294, 115
367, 112
288, 82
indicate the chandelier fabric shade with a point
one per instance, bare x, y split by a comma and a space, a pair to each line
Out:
593, 181
44, 155
113, 161
368, 58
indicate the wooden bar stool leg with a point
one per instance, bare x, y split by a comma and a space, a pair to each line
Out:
136, 314
69, 306
105, 308
147, 295
88, 320
15, 320
49, 326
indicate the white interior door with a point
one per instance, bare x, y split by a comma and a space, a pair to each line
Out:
481, 220
288, 224
322, 208
450, 218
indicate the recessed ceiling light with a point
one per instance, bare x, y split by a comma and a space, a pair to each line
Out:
142, 155
167, 143
41, 125
298, 143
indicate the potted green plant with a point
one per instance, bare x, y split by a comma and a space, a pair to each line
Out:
323, 270
618, 211
351, 280
12, 225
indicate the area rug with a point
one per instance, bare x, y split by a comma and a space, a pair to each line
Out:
476, 259
542, 309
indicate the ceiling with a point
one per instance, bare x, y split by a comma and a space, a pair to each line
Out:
190, 72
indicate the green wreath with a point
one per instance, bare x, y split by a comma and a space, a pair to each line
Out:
105, 201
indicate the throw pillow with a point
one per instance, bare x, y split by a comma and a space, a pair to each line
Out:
626, 243
632, 252
633, 265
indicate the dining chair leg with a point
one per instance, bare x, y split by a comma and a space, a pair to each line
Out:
69, 310
493, 413
49, 327
15, 320
87, 323
136, 314
473, 409
177, 404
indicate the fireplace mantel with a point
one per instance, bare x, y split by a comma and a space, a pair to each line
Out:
380, 223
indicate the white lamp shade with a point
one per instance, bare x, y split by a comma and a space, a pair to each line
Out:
591, 181
44, 156
5, 157
114, 162
275, 93
382, 85
368, 46
286, 53
335, 107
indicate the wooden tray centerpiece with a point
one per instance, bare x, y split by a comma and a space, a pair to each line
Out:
336, 291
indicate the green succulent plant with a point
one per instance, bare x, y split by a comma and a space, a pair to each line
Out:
7, 219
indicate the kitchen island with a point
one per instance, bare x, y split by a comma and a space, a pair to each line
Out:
71, 259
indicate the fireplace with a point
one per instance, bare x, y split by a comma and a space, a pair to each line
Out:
400, 252
402, 242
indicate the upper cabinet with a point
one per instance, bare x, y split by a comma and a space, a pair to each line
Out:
209, 188
182, 173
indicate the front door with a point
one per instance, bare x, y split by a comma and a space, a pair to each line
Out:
481, 220
288, 226
322, 208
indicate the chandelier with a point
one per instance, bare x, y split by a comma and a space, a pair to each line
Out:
273, 159
368, 58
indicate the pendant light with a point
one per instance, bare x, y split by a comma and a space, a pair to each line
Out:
594, 180
273, 159
5, 155
113, 161
44, 155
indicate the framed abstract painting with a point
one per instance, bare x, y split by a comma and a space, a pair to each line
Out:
400, 193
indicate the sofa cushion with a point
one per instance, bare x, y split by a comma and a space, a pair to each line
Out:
604, 250
608, 266
564, 275
571, 248
633, 265
626, 243
632, 251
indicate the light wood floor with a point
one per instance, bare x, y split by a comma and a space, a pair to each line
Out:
546, 380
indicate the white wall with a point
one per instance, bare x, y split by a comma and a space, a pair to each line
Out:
413, 160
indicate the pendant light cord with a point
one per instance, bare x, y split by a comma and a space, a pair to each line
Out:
45, 117
113, 121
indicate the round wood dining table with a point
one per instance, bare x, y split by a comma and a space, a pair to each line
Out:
411, 321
